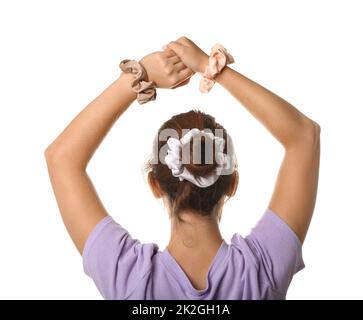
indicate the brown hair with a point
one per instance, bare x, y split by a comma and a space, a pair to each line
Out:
184, 194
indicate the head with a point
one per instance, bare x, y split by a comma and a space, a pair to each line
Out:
185, 196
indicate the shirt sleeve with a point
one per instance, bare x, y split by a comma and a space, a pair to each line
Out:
114, 260
277, 249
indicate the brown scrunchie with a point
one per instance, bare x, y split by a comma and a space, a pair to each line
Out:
146, 90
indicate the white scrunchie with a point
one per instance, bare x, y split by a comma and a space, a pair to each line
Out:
174, 162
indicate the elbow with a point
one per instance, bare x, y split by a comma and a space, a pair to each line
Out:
50, 155
54, 156
310, 134
314, 133
58, 158
307, 136
48, 152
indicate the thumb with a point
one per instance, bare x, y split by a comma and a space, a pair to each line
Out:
177, 47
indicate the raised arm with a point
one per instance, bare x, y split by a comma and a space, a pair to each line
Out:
294, 195
67, 157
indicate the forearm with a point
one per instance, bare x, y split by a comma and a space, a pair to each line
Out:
287, 124
76, 144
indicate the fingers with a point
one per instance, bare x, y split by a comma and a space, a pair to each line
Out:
185, 73
174, 60
179, 66
183, 83
180, 83
169, 53
177, 47
183, 40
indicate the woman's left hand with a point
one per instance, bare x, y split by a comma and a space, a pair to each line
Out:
166, 69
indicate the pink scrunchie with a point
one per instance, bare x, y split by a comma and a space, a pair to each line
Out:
218, 59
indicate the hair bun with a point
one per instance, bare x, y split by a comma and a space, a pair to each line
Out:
201, 160
200, 195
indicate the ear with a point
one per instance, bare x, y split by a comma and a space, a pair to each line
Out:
154, 185
233, 188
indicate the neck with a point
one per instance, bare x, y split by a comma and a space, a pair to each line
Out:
194, 233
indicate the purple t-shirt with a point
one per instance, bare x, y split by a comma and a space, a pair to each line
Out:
259, 266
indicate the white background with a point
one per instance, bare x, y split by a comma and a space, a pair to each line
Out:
56, 56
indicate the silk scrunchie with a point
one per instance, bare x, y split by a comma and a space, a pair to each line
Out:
218, 59
174, 162
146, 90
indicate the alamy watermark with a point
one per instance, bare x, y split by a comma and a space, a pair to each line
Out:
214, 145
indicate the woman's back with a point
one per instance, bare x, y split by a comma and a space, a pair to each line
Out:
259, 266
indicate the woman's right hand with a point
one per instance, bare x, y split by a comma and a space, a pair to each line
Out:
190, 54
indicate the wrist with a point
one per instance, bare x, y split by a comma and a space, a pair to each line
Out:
203, 64
220, 76
125, 80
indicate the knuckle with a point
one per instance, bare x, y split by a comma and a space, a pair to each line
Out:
162, 61
160, 55
183, 38
182, 51
168, 69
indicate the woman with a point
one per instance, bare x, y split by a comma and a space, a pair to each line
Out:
197, 263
